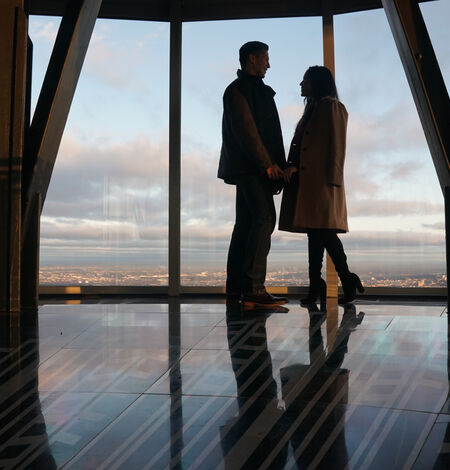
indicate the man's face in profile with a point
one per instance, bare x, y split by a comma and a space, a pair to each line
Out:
258, 64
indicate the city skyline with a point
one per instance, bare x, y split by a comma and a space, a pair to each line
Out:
120, 276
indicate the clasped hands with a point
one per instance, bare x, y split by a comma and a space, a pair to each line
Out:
274, 172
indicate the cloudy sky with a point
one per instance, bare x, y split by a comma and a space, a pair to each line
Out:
108, 200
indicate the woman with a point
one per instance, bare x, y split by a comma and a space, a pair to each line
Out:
314, 196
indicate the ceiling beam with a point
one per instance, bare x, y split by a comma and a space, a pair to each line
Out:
206, 10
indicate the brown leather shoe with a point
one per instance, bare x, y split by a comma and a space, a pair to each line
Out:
263, 298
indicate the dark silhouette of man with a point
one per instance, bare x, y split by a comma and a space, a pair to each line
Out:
253, 159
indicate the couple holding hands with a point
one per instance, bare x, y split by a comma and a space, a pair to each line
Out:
312, 179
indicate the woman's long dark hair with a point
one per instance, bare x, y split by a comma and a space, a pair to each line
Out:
322, 84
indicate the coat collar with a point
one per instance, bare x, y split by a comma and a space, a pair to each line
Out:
251, 78
255, 81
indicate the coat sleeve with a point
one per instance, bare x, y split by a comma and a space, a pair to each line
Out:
245, 129
336, 123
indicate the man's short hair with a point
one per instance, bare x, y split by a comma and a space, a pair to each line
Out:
252, 47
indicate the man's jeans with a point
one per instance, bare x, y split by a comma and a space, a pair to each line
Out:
250, 241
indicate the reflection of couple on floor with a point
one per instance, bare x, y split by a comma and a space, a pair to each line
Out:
253, 159
301, 414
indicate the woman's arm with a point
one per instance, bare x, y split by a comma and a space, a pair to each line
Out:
336, 130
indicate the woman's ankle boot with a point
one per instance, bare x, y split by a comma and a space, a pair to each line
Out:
350, 284
317, 290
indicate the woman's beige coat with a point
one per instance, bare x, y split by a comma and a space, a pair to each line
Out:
315, 196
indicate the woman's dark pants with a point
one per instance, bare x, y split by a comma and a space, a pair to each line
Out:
318, 241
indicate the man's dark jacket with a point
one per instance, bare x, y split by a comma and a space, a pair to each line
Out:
251, 131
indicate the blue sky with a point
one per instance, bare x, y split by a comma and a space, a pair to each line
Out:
107, 203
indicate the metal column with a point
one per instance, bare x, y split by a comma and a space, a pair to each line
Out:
447, 247
55, 98
427, 87
46, 130
13, 60
328, 61
175, 151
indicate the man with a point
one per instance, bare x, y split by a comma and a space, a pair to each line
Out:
253, 159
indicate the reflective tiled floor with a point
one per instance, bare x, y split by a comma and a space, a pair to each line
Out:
198, 384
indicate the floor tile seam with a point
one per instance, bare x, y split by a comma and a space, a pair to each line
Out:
169, 368
373, 378
351, 354
212, 442
389, 324
55, 430
200, 340
104, 429
387, 421
176, 363
395, 356
442, 412
83, 407
340, 425
396, 397
187, 425
256, 353
120, 348
206, 395
220, 321
90, 392
354, 406
249, 401
115, 379
64, 346
350, 403
424, 443
127, 368
76, 367
240, 337
49, 357
130, 405
384, 356
122, 371
289, 400
34, 452
141, 433
209, 364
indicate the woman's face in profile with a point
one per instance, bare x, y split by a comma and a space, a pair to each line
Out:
305, 87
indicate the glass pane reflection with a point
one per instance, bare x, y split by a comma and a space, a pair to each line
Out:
105, 219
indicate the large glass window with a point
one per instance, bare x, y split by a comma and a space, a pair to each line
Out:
395, 203
105, 218
210, 62
436, 15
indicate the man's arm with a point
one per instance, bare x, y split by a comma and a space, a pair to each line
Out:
244, 126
